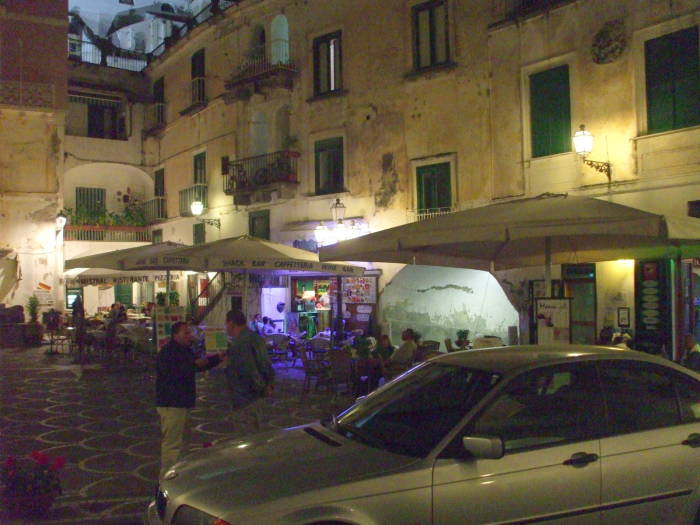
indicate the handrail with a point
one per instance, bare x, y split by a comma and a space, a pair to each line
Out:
210, 295
253, 172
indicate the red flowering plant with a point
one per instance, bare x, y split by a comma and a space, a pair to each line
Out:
32, 478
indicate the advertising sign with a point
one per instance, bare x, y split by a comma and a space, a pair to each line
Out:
653, 311
553, 320
166, 317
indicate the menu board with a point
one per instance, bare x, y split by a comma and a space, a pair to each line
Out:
215, 340
166, 317
653, 312
359, 290
553, 320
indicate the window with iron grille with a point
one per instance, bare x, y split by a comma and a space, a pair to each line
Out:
433, 185
200, 168
95, 116
328, 64
157, 236
431, 36
329, 166
199, 233
90, 199
672, 67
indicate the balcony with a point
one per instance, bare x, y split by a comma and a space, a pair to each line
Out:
427, 213
254, 179
155, 210
105, 55
198, 96
32, 94
198, 192
256, 74
107, 233
512, 9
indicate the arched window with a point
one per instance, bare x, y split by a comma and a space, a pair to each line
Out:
280, 40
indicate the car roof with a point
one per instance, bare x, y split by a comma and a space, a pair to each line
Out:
506, 359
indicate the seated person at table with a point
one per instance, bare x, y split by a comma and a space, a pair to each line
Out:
256, 325
268, 326
402, 358
384, 349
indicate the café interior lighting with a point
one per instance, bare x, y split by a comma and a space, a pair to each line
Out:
197, 208
583, 145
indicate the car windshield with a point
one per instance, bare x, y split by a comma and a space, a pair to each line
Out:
412, 415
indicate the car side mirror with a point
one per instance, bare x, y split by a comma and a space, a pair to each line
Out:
484, 447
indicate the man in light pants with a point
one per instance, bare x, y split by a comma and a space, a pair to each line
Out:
176, 392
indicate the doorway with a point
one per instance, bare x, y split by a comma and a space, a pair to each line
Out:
579, 285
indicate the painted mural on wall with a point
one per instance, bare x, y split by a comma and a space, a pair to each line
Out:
438, 301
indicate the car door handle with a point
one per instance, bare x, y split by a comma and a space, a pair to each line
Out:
581, 459
693, 440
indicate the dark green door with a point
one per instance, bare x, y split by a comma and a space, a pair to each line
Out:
434, 186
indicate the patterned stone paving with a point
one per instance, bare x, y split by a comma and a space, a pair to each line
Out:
101, 418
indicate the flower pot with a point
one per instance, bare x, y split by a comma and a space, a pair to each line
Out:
27, 506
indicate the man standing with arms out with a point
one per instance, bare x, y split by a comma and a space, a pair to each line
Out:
176, 392
249, 372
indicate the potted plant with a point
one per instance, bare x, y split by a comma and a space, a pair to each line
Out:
462, 338
34, 331
31, 485
174, 298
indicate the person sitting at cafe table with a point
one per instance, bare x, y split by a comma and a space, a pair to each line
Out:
268, 326
402, 358
384, 349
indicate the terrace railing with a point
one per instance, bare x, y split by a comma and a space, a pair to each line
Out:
251, 173
422, 214
107, 233
155, 210
198, 192
90, 53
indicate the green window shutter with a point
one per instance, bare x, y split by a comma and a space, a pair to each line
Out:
122, 294
259, 224
550, 112
159, 183
157, 236
200, 168
329, 166
90, 199
430, 28
199, 234
327, 63
672, 67
434, 186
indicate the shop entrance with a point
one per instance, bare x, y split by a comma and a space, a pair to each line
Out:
579, 285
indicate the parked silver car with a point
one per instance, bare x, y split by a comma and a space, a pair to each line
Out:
529, 434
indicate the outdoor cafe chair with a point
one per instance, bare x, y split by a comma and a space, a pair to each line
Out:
314, 370
279, 346
341, 370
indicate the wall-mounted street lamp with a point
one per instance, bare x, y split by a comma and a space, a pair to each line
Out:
197, 208
338, 230
583, 145
61, 221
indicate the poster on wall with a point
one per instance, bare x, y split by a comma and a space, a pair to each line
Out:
215, 340
359, 290
166, 317
553, 320
44, 293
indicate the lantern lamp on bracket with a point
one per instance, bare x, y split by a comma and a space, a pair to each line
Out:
583, 145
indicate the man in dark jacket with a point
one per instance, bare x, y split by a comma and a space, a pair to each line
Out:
249, 372
176, 392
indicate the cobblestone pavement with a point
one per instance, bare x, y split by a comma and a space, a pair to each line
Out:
101, 418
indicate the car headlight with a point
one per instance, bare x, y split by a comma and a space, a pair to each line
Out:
187, 515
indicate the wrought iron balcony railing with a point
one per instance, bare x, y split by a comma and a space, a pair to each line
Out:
32, 94
422, 214
249, 174
261, 68
199, 95
155, 210
198, 192
107, 233
89, 53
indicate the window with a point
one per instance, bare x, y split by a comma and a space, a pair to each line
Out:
550, 112
159, 100
199, 233
545, 407
157, 236
200, 168
327, 64
90, 200
96, 117
197, 75
224, 165
159, 183
431, 38
259, 224
689, 397
434, 187
672, 67
329, 166
630, 389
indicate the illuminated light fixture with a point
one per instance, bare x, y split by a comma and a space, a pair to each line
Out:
197, 207
583, 145
340, 232
61, 220
338, 211
321, 233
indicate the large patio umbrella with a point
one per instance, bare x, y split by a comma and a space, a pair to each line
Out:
158, 9
541, 231
95, 276
116, 260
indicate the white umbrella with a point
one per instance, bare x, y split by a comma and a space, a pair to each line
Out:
550, 229
96, 276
